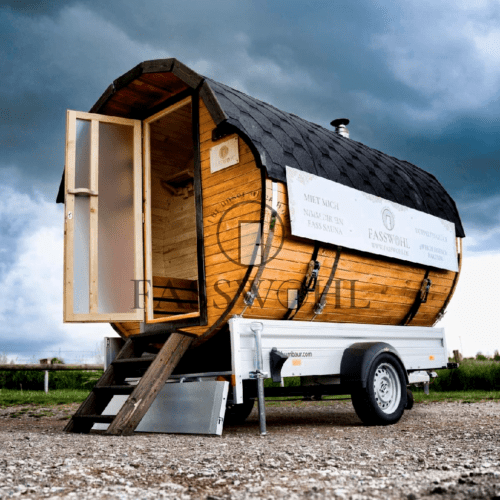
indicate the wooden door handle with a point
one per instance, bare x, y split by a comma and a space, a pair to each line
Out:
82, 192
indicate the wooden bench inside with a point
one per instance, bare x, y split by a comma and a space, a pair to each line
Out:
173, 296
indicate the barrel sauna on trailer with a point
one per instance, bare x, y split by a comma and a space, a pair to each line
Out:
188, 203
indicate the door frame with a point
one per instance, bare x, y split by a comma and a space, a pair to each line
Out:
170, 323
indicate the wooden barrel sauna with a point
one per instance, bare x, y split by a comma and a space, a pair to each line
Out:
218, 241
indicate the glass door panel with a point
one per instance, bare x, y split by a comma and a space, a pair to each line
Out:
103, 219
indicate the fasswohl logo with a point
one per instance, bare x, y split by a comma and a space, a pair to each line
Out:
388, 219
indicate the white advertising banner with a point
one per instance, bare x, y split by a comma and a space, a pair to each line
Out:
327, 211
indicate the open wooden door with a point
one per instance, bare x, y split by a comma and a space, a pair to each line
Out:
103, 254
173, 255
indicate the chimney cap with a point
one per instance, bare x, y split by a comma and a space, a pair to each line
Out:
339, 121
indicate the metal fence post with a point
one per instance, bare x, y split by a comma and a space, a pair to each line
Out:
45, 361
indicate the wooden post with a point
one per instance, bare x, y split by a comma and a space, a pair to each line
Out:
45, 361
136, 406
458, 356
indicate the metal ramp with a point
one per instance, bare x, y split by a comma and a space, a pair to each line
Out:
193, 406
154, 371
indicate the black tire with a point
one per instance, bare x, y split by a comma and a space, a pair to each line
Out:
383, 400
409, 400
237, 414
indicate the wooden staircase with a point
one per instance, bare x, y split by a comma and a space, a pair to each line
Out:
154, 371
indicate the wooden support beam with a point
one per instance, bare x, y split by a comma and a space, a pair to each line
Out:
151, 383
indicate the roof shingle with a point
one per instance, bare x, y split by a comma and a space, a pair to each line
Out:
283, 139
325, 153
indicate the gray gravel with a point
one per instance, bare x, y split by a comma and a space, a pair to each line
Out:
313, 450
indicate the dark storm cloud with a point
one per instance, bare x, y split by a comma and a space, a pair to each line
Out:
34, 6
418, 80
57, 61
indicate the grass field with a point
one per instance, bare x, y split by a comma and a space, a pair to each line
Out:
465, 396
9, 397
475, 380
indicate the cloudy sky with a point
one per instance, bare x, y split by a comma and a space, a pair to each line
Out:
419, 80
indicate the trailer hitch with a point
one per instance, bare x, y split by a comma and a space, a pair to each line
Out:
277, 360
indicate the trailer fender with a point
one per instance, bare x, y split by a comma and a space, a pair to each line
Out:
358, 358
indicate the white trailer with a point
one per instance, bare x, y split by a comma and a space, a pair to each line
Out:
372, 363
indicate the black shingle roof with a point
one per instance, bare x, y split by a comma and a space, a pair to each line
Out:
285, 139
282, 139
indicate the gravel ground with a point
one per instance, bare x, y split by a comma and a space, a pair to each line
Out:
313, 450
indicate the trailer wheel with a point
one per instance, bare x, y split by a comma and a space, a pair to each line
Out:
383, 400
237, 414
409, 400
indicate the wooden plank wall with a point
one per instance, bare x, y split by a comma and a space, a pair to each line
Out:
230, 195
384, 289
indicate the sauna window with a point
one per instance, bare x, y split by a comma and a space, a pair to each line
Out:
171, 248
103, 219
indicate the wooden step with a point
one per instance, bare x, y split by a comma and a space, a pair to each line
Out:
115, 389
96, 402
149, 386
144, 359
128, 362
97, 419
133, 363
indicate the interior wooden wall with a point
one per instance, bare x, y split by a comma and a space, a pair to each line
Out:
173, 215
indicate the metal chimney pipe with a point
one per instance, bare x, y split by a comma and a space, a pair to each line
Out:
340, 126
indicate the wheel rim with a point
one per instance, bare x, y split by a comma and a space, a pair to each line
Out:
387, 388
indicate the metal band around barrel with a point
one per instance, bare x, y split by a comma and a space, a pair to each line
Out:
318, 308
420, 299
252, 293
308, 283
